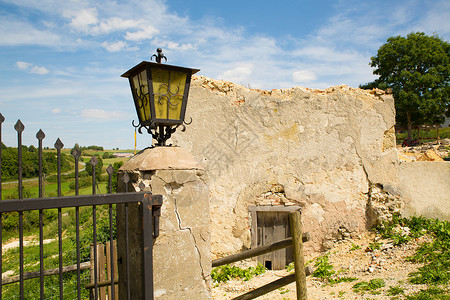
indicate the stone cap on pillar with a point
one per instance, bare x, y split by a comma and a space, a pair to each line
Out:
162, 158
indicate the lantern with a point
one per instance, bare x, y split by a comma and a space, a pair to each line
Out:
160, 93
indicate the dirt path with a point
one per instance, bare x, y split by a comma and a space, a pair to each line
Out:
350, 259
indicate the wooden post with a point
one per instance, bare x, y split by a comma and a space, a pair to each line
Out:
101, 263
299, 261
101, 270
108, 268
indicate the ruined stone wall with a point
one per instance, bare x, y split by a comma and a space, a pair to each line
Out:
328, 151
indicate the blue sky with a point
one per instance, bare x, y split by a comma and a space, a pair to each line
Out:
61, 61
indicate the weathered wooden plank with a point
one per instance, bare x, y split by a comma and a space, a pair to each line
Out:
108, 268
256, 251
101, 265
272, 286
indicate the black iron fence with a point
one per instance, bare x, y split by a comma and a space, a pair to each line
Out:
71, 224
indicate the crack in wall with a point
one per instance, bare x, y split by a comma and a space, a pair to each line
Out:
181, 228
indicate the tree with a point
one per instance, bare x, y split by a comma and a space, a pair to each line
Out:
116, 167
417, 68
98, 168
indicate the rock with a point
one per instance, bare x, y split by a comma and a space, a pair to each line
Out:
430, 155
385, 247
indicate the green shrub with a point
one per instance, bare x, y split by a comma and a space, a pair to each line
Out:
82, 183
10, 220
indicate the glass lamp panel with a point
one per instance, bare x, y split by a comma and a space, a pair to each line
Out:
168, 88
142, 100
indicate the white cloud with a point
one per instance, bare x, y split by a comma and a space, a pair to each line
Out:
23, 65
239, 74
303, 76
17, 33
56, 110
102, 114
116, 24
145, 34
32, 69
82, 20
39, 70
114, 46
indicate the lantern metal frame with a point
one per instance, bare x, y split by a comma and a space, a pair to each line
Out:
160, 129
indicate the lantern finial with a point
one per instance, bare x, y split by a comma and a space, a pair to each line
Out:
159, 57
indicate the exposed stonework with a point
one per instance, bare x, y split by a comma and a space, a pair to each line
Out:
381, 206
325, 148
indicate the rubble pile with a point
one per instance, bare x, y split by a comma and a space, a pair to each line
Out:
433, 151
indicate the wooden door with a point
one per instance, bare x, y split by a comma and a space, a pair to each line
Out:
273, 227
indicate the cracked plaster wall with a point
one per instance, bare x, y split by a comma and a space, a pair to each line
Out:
324, 148
184, 240
181, 254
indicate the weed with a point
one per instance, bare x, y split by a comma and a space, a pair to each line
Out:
395, 290
355, 247
227, 272
435, 255
370, 286
430, 293
341, 279
290, 267
374, 246
283, 291
324, 269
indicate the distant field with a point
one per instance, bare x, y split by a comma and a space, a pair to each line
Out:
31, 185
424, 135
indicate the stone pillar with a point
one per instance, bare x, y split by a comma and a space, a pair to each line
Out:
181, 253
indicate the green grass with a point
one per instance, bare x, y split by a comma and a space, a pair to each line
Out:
426, 135
10, 258
434, 255
51, 189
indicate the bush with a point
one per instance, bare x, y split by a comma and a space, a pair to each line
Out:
10, 220
82, 183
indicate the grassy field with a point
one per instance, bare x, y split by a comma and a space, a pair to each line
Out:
424, 135
31, 185
10, 259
